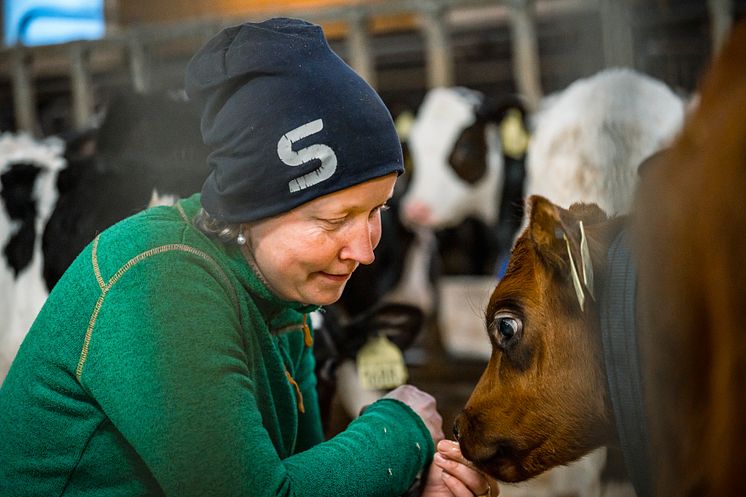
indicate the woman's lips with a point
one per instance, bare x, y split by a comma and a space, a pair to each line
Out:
339, 278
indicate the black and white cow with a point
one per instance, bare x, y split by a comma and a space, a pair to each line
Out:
147, 150
468, 156
28, 174
58, 195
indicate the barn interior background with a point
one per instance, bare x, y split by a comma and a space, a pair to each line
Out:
402, 47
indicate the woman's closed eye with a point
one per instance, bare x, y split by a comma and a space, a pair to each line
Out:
379, 209
333, 223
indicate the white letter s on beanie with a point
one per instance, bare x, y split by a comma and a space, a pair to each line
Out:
317, 151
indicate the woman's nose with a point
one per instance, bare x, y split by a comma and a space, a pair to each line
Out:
359, 247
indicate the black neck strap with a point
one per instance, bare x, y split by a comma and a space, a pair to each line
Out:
621, 356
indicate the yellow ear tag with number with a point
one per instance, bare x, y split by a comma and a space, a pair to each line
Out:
513, 136
380, 364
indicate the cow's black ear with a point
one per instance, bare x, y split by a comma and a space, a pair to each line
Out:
401, 323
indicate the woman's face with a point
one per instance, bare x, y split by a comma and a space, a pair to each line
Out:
308, 254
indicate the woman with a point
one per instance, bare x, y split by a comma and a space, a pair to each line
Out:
174, 356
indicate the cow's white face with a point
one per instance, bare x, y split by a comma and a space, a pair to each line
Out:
438, 197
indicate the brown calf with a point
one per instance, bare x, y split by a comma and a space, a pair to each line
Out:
543, 399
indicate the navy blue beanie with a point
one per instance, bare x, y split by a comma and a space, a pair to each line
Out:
286, 120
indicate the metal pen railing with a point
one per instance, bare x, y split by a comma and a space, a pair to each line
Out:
130, 49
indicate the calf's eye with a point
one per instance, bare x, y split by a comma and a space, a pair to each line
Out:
507, 327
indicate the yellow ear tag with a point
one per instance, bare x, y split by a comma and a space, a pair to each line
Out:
380, 364
513, 136
403, 125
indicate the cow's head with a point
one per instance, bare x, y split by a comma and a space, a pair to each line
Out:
542, 400
455, 148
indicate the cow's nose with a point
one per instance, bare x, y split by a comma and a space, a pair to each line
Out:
417, 212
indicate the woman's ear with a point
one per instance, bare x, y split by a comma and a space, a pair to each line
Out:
241, 237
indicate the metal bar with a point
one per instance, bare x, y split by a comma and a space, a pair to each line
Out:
616, 29
81, 84
139, 63
525, 45
361, 58
721, 14
24, 101
439, 54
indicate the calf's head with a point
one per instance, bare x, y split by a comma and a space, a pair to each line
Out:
542, 401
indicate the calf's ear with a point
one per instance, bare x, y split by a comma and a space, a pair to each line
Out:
546, 230
588, 213
561, 242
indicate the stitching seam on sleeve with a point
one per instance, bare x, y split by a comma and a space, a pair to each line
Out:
105, 287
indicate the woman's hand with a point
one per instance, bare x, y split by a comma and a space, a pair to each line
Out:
424, 405
452, 475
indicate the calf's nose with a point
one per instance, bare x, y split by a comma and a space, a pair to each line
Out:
456, 429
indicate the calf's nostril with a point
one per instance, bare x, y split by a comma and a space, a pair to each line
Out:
456, 432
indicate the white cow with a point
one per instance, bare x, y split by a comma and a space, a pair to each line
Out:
23, 294
590, 138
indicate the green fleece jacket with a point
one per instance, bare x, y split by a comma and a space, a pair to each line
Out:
161, 365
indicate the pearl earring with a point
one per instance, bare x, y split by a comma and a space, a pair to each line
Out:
241, 239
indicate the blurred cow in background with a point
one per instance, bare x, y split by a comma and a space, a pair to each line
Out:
28, 175
589, 139
468, 160
147, 151
586, 144
57, 195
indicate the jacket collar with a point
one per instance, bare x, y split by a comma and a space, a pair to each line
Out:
271, 306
